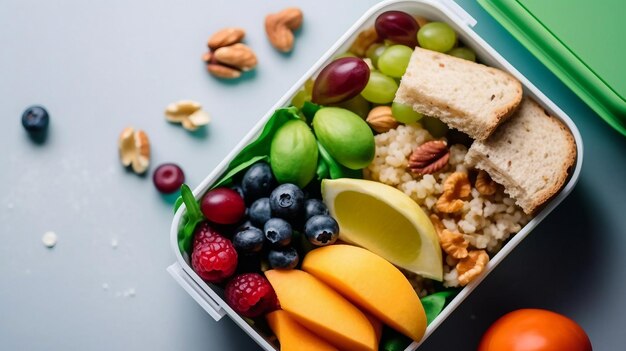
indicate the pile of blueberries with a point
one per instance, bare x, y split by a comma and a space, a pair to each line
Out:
276, 216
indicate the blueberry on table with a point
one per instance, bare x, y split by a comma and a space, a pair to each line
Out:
285, 258
321, 230
168, 178
278, 232
314, 207
260, 212
35, 119
249, 240
258, 181
287, 202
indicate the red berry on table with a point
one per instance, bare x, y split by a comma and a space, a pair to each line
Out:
168, 178
251, 295
213, 257
223, 206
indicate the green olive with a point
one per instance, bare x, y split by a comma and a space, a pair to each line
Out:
345, 135
293, 153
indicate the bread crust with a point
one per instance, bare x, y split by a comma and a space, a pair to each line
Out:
478, 156
477, 126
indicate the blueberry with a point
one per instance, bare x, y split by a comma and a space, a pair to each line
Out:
35, 119
258, 181
260, 212
287, 202
314, 207
249, 240
245, 225
286, 258
321, 230
278, 232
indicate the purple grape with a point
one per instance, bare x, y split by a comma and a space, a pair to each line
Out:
340, 80
398, 27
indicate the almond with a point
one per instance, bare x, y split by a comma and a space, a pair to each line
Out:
381, 120
226, 37
279, 28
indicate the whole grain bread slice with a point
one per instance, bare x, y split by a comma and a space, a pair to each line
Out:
530, 155
465, 95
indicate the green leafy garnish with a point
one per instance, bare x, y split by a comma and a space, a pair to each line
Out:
259, 149
434, 303
228, 177
393, 341
309, 109
178, 203
193, 217
322, 170
335, 169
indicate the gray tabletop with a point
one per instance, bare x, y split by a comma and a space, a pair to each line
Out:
100, 66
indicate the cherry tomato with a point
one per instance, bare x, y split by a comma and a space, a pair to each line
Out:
534, 330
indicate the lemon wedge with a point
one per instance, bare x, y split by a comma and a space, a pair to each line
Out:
385, 221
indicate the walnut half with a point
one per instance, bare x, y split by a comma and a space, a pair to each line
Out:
452, 243
455, 188
471, 266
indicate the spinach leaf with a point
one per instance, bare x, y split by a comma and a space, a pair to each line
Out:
434, 303
335, 169
322, 170
259, 149
178, 203
228, 177
308, 110
194, 216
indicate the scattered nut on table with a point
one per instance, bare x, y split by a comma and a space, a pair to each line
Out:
134, 147
188, 113
279, 28
226, 37
227, 57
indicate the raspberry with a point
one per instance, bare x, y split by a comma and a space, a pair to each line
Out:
251, 295
213, 257
203, 233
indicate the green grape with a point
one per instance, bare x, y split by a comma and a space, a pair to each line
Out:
308, 86
380, 89
374, 52
434, 126
404, 113
436, 36
299, 99
464, 53
394, 61
357, 104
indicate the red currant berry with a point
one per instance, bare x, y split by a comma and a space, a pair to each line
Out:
168, 178
223, 206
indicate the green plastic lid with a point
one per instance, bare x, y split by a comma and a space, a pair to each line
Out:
583, 42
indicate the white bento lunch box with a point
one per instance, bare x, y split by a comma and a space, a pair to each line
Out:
442, 10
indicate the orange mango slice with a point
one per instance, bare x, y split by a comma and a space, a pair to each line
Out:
322, 310
372, 283
293, 336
